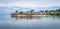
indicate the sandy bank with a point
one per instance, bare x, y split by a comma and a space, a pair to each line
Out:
31, 15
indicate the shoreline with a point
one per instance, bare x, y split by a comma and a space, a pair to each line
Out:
31, 15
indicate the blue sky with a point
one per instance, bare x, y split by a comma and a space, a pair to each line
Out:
30, 3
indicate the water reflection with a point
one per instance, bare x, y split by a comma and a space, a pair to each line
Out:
26, 17
36, 17
30, 22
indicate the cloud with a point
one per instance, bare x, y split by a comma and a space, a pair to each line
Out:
30, 3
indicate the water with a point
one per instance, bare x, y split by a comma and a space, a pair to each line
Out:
38, 22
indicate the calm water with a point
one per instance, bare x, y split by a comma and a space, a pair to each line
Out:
38, 22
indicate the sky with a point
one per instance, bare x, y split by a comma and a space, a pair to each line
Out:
8, 6
30, 3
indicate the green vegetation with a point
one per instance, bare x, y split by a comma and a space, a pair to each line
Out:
21, 12
41, 11
16, 11
46, 12
31, 10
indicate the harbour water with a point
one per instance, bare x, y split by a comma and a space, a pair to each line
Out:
31, 22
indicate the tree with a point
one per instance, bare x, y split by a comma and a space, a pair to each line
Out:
31, 10
21, 12
58, 10
46, 11
41, 11
16, 11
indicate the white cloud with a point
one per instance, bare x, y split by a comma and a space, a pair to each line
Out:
30, 3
